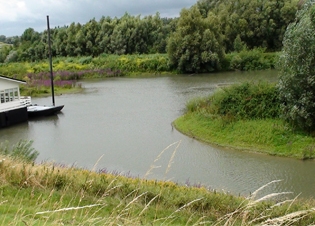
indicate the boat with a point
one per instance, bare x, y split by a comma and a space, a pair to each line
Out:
36, 111
43, 110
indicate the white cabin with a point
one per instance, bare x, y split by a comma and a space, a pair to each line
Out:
13, 107
10, 94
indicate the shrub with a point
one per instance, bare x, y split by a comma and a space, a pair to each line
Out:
246, 101
255, 59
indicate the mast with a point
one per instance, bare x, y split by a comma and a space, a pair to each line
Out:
50, 64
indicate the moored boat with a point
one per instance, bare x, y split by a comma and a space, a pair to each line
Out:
42, 110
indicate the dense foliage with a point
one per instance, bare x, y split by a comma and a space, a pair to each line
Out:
241, 101
125, 35
196, 40
197, 45
259, 23
210, 28
248, 101
297, 83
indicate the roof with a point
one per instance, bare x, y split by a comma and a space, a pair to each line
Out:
12, 79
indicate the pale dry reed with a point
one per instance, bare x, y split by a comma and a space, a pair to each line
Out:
241, 215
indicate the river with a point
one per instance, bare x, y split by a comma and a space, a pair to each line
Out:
123, 125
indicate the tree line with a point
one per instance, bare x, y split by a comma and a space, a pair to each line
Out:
196, 41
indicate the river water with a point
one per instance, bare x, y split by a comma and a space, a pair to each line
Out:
123, 125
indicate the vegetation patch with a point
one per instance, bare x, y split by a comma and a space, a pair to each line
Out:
245, 116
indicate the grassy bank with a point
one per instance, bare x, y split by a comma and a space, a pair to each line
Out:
130, 65
69, 70
51, 194
89, 67
270, 136
44, 91
245, 117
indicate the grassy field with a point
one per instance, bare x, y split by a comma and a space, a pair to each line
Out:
52, 194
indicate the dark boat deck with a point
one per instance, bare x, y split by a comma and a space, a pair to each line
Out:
38, 111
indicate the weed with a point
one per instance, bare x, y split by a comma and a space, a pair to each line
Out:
22, 150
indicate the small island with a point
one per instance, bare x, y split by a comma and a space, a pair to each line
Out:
245, 117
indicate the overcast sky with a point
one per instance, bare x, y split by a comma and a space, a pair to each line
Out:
18, 15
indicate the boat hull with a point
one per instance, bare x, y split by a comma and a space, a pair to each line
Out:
40, 111
12, 117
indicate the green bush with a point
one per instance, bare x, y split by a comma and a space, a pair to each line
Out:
86, 60
248, 101
255, 59
241, 101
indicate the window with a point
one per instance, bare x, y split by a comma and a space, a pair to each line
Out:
9, 95
2, 96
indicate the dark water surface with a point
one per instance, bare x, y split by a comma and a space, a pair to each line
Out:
124, 124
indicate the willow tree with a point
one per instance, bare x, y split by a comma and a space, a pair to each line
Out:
296, 64
195, 46
259, 23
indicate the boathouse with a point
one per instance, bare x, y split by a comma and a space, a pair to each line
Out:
13, 108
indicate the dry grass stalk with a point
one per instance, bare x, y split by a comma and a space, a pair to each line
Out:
288, 219
254, 194
267, 197
68, 209
242, 213
148, 204
158, 158
172, 158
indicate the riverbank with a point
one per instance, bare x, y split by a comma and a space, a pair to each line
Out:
245, 117
264, 136
53, 194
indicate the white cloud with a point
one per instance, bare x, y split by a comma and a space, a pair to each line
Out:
18, 15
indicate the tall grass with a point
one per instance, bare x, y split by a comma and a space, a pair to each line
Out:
23, 150
51, 194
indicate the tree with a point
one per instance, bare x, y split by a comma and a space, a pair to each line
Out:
59, 41
92, 29
296, 64
106, 31
196, 44
71, 45
2, 38
4, 52
259, 23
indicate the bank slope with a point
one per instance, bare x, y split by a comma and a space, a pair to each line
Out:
270, 136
